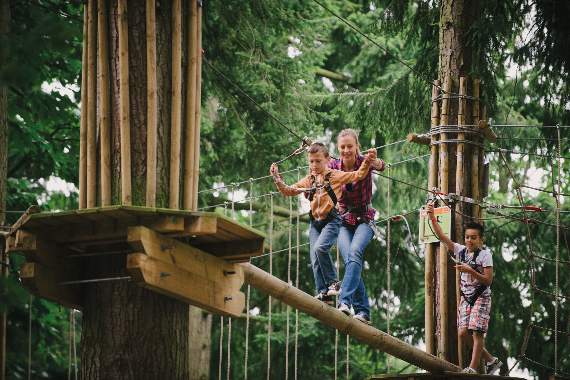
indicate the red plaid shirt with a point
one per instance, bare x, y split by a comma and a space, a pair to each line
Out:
356, 199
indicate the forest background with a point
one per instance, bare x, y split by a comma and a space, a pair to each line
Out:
276, 52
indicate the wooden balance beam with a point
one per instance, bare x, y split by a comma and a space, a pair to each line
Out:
330, 316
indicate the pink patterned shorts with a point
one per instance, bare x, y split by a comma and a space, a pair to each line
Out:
476, 317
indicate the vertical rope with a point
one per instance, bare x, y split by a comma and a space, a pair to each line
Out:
388, 257
248, 288
74, 337
347, 356
233, 201
31, 300
557, 278
221, 355
69, 346
269, 298
336, 334
229, 348
225, 208
298, 240
290, 233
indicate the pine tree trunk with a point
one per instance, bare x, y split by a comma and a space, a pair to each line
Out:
4, 28
455, 61
130, 333
200, 343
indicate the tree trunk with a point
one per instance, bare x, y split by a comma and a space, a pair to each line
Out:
200, 343
4, 24
455, 61
130, 332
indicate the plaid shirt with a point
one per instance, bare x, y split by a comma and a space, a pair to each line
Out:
356, 199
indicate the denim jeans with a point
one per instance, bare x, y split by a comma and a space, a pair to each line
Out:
352, 242
322, 235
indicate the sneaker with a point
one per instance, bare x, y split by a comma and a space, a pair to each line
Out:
363, 318
345, 309
493, 366
468, 370
324, 297
334, 289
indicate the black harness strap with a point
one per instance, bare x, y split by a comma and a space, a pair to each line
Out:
327, 186
480, 289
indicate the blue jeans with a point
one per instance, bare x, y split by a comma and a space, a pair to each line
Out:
352, 242
322, 235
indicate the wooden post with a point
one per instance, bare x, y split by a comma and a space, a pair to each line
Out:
104, 102
430, 249
459, 189
83, 120
190, 132
443, 344
124, 111
92, 107
151, 103
475, 152
330, 316
195, 176
176, 107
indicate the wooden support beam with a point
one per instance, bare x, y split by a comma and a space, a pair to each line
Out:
460, 190
83, 120
104, 103
429, 270
170, 280
331, 74
152, 104
443, 344
91, 172
176, 106
330, 316
44, 282
186, 257
124, 104
190, 123
418, 139
198, 109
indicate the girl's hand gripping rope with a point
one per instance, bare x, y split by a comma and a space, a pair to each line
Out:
370, 155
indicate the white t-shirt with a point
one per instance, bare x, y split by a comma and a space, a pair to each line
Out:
468, 282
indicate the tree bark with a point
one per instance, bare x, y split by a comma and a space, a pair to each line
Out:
455, 61
4, 29
200, 343
130, 332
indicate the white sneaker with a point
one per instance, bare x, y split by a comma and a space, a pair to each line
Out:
493, 366
363, 318
468, 370
345, 309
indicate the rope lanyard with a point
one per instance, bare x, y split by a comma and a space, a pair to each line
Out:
228, 370
31, 300
388, 259
298, 240
269, 298
557, 278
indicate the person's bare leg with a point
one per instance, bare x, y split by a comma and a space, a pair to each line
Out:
478, 346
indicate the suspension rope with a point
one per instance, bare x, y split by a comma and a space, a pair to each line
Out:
289, 249
388, 258
30, 302
221, 348
69, 332
347, 357
248, 97
229, 348
336, 333
557, 277
73, 313
269, 298
298, 238
248, 289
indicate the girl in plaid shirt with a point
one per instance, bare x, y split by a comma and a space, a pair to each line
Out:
357, 214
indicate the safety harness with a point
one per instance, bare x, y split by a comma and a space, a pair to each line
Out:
328, 188
480, 289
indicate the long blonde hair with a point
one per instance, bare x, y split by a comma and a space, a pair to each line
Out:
350, 132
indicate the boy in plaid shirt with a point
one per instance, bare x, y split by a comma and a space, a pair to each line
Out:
475, 263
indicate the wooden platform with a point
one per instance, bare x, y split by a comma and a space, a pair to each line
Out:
441, 376
191, 256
